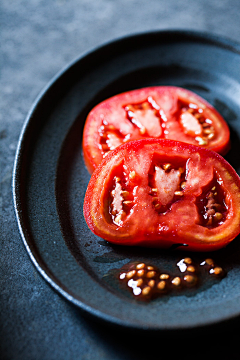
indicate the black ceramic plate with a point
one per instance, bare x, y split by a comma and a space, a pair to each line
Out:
50, 178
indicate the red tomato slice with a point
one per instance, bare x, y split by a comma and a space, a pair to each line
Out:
164, 193
154, 112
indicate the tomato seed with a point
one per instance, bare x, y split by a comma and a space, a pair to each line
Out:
129, 108
145, 105
178, 193
183, 185
161, 285
151, 274
164, 276
139, 282
118, 218
142, 130
153, 190
206, 125
176, 281
209, 261
167, 167
151, 283
132, 175
146, 290
190, 279
150, 267
140, 266
124, 194
188, 260
207, 131
127, 202
191, 268
217, 216
130, 274
141, 272
216, 271
200, 140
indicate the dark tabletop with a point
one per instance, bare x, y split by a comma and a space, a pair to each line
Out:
38, 39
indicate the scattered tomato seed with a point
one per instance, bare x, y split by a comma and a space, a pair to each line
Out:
140, 266
139, 282
176, 281
190, 279
143, 279
140, 272
188, 260
151, 283
150, 268
151, 274
161, 285
130, 274
191, 268
146, 290
217, 270
164, 276
209, 261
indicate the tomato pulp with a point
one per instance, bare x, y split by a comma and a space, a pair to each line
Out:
164, 193
153, 112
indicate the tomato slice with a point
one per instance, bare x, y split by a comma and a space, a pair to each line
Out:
164, 193
154, 112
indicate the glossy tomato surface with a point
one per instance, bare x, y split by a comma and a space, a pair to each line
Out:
153, 112
164, 193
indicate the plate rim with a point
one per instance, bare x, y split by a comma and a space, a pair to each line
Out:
16, 187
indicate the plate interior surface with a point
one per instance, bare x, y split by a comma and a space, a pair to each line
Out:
50, 178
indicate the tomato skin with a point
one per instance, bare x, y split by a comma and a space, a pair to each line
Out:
182, 222
171, 113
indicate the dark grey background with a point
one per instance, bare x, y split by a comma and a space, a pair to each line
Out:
38, 39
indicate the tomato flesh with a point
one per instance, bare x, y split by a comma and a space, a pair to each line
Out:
159, 193
156, 112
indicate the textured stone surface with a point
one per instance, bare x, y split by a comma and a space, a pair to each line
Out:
38, 38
